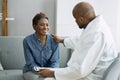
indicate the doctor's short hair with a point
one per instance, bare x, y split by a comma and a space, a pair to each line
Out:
37, 17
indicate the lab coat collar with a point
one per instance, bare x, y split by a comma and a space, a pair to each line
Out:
93, 23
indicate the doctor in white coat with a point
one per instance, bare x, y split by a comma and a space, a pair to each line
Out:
94, 49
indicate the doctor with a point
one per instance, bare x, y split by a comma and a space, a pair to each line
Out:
94, 49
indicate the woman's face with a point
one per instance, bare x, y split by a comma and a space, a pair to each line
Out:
42, 27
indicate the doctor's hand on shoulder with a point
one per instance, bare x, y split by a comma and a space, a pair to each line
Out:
57, 39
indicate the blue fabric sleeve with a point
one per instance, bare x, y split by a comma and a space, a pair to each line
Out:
54, 60
28, 56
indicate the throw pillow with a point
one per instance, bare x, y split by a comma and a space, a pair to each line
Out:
1, 68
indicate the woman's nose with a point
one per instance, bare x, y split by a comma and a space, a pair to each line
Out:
46, 26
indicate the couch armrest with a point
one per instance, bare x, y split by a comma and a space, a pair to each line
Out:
113, 72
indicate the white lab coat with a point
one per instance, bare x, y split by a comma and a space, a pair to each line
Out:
94, 51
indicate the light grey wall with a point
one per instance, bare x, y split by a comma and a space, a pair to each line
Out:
23, 11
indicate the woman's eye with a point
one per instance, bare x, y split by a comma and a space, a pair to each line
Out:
43, 24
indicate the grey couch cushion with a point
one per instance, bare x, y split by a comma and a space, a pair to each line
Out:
11, 54
64, 55
11, 75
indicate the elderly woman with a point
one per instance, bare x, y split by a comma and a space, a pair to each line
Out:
40, 49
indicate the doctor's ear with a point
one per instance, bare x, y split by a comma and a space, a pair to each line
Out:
81, 19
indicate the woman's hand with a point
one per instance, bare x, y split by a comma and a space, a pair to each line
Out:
46, 73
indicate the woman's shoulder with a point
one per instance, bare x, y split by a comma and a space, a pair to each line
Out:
29, 37
51, 39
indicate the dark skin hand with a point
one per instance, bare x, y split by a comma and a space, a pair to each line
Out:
46, 73
57, 39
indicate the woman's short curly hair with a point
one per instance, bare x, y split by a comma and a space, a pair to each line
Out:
37, 17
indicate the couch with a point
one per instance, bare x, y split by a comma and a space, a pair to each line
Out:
113, 71
12, 57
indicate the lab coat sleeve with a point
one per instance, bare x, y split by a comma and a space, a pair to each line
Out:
71, 42
67, 73
93, 46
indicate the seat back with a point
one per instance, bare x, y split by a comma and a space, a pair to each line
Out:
65, 54
11, 54
113, 71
